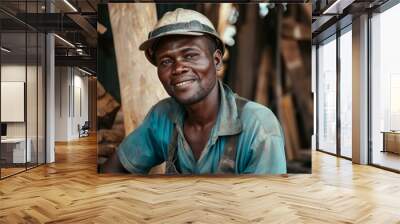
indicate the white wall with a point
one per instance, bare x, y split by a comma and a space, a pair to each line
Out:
71, 93
16, 73
61, 103
81, 104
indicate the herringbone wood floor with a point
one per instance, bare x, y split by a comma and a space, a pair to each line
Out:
70, 191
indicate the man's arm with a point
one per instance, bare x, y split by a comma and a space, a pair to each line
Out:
268, 157
140, 150
113, 165
267, 154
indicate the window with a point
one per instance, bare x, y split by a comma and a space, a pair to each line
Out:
327, 95
385, 87
346, 92
22, 75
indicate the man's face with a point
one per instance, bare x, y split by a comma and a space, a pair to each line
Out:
186, 67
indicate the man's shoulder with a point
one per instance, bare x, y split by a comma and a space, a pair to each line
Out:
165, 107
255, 115
254, 107
165, 104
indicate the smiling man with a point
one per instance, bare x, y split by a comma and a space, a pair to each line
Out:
203, 128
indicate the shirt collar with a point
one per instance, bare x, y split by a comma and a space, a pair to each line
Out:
228, 121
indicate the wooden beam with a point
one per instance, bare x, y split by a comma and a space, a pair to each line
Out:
295, 30
263, 78
139, 84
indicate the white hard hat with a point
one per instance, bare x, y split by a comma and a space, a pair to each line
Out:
180, 22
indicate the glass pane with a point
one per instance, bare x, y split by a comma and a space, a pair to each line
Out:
13, 86
31, 85
41, 98
327, 96
345, 94
31, 97
385, 89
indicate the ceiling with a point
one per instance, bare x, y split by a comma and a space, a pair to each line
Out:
73, 20
331, 15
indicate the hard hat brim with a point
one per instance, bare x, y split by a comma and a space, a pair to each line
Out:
147, 46
180, 22
149, 43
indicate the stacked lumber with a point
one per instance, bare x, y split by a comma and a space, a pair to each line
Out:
273, 68
110, 123
296, 104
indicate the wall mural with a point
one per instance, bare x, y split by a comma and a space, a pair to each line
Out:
204, 88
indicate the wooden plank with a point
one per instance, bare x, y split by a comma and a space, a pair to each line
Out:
288, 120
307, 10
245, 68
106, 104
263, 76
292, 29
299, 83
139, 84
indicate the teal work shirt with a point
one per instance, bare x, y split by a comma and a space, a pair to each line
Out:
259, 148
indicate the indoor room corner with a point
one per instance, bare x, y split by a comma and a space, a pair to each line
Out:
73, 103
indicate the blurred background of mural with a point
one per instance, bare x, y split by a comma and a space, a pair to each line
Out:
268, 60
